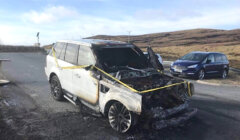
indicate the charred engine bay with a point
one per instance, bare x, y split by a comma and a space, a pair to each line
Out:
149, 79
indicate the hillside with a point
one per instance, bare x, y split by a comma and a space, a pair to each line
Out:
172, 45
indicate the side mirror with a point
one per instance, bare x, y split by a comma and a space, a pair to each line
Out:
208, 61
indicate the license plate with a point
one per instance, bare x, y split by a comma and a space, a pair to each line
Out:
178, 70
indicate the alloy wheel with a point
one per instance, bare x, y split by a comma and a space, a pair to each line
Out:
56, 89
224, 74
119, 117
201, 74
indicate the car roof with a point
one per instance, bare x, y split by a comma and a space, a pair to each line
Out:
207, 52
147, 53
91, 42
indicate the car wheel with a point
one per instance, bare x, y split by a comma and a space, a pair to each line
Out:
201, 74
120, 118
56, 89
224, 74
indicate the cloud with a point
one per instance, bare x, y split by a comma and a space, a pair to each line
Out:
59, 22
50, 14
158, 14
15, 35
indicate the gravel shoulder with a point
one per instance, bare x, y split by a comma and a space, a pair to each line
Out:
23, 119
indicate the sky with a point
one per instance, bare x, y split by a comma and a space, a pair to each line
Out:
20, 20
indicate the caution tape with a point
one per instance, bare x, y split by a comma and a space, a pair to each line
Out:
189, 89
120, 82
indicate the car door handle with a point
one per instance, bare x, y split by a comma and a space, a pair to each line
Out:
77, 75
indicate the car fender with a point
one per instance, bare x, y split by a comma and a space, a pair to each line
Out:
132, 101
55, 71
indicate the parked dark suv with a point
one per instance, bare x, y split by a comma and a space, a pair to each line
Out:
200, 64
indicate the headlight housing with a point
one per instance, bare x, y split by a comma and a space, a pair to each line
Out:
193, 66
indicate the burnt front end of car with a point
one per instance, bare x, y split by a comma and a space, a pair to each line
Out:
168, 106
165, 100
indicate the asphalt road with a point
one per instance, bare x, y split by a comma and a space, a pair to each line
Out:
218, 116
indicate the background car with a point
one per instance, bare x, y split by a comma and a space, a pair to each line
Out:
201, 64
158, 56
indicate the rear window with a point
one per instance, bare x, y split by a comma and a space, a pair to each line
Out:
224, 58
220, 58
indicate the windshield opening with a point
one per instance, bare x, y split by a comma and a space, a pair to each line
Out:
117, 58
194, 56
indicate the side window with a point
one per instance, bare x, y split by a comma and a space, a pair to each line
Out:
62, 53
211, 58
85, 56
205, 60
224, 58
218, 57
71, 53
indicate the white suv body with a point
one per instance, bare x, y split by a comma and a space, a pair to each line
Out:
106, 82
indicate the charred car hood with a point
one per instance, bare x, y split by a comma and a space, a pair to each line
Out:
149, 82
145, 79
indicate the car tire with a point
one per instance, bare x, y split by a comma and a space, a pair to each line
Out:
120, 118
224, 74
201, 74
56, 88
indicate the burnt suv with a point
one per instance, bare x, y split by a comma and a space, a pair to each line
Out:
116, 80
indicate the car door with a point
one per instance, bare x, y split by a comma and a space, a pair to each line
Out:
59, 49
60, 54
210, 66
225, 62
70, 59
85, 85
218, 63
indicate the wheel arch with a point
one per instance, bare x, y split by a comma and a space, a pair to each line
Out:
134, 117
227, 69
107, 106
51, 75
109, 103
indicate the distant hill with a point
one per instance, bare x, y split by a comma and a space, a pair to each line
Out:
172, 45
182, 38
